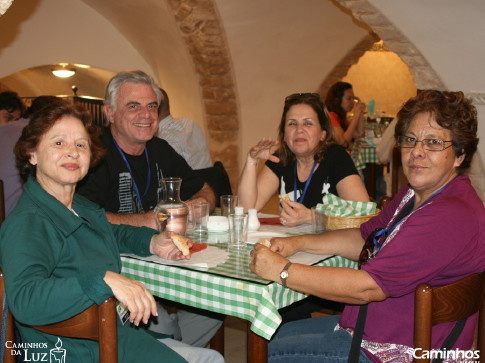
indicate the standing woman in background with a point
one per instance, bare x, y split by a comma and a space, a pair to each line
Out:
339, 101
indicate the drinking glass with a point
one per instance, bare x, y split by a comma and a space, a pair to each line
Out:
228, 204
238, 231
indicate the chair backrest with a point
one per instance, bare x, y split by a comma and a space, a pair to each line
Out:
217, 177
2, 203
448, 303
95, 323
396, 164
8, 356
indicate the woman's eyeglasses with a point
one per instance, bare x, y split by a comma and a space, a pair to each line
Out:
297, 96
408, 142
372, 246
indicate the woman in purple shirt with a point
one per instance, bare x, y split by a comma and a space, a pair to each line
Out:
432, 231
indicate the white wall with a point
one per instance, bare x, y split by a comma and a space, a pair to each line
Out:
39, 32
150, 28
449, 34
279, 47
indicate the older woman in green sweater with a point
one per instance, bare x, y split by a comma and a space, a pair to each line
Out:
59, 253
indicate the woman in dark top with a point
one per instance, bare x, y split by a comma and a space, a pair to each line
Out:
307, 165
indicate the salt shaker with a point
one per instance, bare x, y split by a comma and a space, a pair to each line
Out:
253, 221
239, 210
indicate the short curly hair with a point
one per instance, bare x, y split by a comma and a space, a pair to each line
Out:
452, 111
41, 122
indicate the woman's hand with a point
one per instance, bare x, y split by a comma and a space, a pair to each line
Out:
132, 294
162, 245
285, 246
294, 213
266, 263
263, 150
359, 108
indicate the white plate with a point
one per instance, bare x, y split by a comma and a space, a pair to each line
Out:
254, 237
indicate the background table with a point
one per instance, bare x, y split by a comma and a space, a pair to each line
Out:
364, 154
246, 296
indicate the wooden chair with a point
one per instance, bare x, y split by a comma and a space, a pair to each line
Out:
448, 303
95, 323
396, 164
2, 203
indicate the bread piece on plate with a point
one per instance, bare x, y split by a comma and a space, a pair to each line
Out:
284, 197
266, 242
181, 243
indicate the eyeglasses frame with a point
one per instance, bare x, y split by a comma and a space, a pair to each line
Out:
422, 143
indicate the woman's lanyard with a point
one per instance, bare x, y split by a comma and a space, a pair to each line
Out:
300, 200
149, 176
400, 217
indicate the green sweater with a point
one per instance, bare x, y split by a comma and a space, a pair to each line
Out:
54, 263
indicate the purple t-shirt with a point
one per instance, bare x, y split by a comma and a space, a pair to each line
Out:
439, 243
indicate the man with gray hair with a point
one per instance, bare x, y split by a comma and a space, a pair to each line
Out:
127, 182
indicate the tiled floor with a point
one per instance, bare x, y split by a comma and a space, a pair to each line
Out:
235, 340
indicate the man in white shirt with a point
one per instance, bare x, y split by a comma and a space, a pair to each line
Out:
184, 135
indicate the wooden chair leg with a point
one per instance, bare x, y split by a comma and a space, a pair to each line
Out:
217, 341
257, 347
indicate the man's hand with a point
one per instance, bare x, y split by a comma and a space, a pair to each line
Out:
206, 194
146, 219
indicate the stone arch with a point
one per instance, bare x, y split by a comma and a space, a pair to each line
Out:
340, 70
202, 30
423, 74
203, 33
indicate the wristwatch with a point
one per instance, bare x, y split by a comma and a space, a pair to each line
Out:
284, 274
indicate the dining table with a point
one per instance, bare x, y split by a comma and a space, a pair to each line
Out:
364, 154
218, 279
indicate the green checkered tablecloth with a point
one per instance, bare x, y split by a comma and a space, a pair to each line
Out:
245, 296
363, 153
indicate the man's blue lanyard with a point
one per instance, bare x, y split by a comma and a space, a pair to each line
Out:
300, 200
149, 176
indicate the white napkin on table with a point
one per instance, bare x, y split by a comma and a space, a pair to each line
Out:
207, 258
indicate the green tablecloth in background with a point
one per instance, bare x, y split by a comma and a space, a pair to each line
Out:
363, 153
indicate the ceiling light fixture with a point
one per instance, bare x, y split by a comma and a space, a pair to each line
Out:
63, 73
